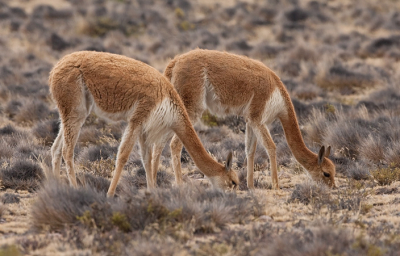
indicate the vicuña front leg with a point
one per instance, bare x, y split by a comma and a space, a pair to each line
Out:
251, 145
263, 134
176, 149
127, 142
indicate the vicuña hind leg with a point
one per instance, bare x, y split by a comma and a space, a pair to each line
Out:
71, 134
176, 149
128, 140
56, 153
263, 134
251, 145
146, 152
157, 150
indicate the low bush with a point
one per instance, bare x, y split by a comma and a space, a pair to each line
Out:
9, 198
23, 175
189, 209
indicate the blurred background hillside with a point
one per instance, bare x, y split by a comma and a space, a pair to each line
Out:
338, 59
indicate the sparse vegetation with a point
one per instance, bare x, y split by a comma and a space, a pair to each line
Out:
339, 62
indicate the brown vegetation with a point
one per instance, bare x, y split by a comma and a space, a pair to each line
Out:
339, 63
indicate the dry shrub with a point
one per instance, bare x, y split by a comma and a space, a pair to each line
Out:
89, 135
9, 198
190, 209
372, 150
8, 130
100, 184
138, 180
392, 155
47, 131
358, 171
386, 176
307, 92
310, 192
317, 125
335, 76
58, 204
22, 174
380, 47
3, 209
258, 183
32, 111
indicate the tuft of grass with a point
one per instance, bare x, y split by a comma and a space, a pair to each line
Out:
310, 192
344, 79
9, 198
209, 120
31, 112
46, 131
188, 209
10, 250
22, 174
386, 176
120, 221
100, 184
3, 208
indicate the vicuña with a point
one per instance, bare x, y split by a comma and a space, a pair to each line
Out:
121, 88
229, 84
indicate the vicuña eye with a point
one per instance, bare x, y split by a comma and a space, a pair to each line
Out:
233, 183
327, 174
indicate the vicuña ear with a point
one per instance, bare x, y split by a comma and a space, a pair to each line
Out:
228, 163
321, 155
328, 151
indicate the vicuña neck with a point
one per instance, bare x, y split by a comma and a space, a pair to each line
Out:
293, 136
197, 152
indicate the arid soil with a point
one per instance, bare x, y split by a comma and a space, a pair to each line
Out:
339, 60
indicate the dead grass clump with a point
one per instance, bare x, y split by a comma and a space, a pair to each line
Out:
387, 175
185, 209
96, 153
258, 182
22, 175
58, 205
387, 97
372, 149
310, 192
138, 179
12, 108
307, 92
100, 184
380, 47
47, 131
344, 79
347, 135
31, 111
10, 198
90, 135
392, 155
8, 130
358, 171
3, 208
318, 123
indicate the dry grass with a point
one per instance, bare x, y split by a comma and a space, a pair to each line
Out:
339, 62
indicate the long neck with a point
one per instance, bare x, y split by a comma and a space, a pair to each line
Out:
293, 136
197, 152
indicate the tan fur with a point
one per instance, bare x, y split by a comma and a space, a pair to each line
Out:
120, 88
227, 84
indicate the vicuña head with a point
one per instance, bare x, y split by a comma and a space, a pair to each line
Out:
121, 88
229, 84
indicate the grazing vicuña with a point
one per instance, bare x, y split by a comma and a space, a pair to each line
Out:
229, 84
121, 88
